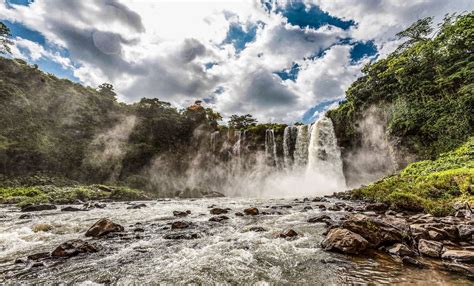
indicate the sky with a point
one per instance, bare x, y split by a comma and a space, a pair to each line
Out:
281, 61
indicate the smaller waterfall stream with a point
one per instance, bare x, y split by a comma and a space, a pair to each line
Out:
301, 146
270, 147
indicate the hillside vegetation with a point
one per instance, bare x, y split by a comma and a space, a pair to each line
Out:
430, 186
424, 91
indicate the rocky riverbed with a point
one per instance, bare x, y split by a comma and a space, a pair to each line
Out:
228, 240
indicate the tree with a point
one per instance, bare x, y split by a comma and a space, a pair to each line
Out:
417, 32
5, 42
107, 89
242, 121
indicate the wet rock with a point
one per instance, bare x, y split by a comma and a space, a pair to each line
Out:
459, 268
257, 229
463, 214
25, 216
317, 199
72, 209
91, 205
459, 255
407, 260
137, 206
181, 213
42, 227
251, 211
348, 209
319, 218
102, 227
138, 229
288, 234
219, 218
218, 211
181, 225
377, 231
400, 249
390, 212
376, 207
334, 208
345, 241
418, 231
239, 214
340, 204
322, 207
466, 232
73, 247
36, 208
435, 235
430, 248
21, 260
307, 208
38, 256
182, 235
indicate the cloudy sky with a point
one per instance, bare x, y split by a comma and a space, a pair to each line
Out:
282, 61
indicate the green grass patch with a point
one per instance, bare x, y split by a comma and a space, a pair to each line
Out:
428, 186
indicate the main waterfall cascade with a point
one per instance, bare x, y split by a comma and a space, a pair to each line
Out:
298, 160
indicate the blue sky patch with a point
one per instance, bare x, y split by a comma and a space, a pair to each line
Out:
363, 49
298, 14
239, 35
20, 2
209, 65
291, 73
315, 112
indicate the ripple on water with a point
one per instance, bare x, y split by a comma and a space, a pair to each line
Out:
227, 253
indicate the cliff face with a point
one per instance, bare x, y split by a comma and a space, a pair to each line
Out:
415, 104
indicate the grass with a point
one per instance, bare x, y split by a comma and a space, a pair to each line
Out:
431, 186
21, 195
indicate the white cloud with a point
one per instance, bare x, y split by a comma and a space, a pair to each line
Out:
159, 48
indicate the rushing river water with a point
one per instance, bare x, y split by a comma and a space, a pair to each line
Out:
226, 253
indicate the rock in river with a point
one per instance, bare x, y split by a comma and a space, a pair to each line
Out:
219, 218
430, 248
181, 213
343, 240
251, 211
36, 208
218, 211
103, 227
72, 209
73, 247
288, 234
459, 255
400, 250
180, 224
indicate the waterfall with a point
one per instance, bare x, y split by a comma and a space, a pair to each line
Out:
237, 146
324, 155
301, 145
289, 141
270, 147
214, 137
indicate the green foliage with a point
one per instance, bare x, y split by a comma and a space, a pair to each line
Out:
426, 87
5, 42
66, 195
241, 122
431, 186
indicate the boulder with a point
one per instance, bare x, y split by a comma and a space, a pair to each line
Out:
288, 234
72, 209
180, 224
466, 232
459, 255
319, 218
322, 207
430, 248
181, 213
251, 211
218, 211
400, 249
407, 260
182, 235
334, 208
36, 208
345, 241
102, 227
38, 256
349, 209
239, 214
25, 216
378, 231
307, 208
219, 218
459, 268
73, 247
257, 229
137, 206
